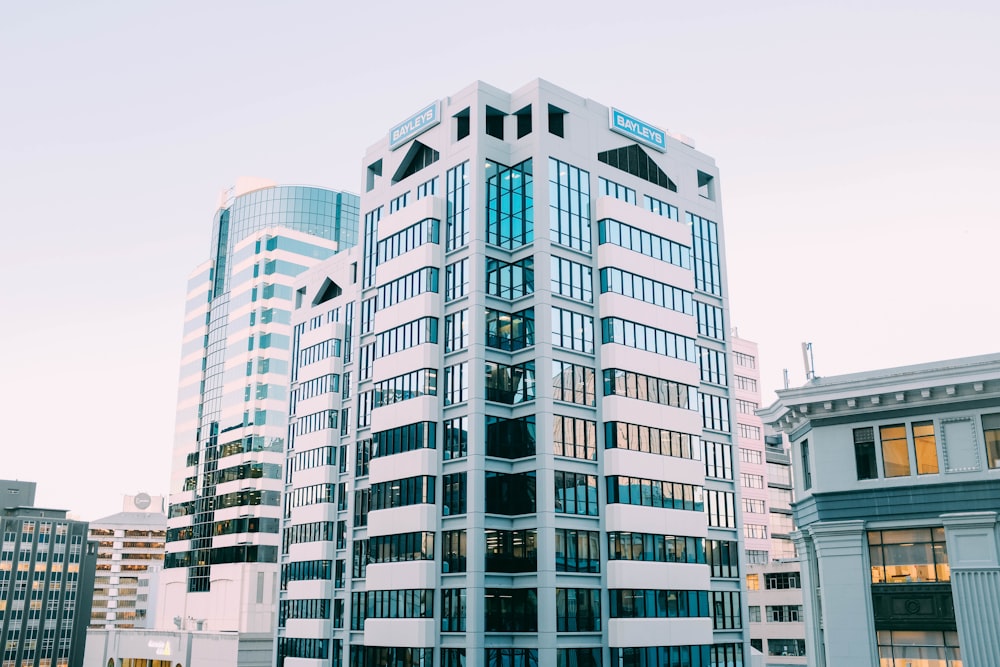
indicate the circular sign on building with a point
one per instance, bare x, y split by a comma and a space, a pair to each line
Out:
142, 500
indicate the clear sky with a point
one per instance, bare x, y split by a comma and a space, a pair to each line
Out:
858, 145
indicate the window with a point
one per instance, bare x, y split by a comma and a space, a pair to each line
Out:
572, 330
726, 613
405, 336
707, 262
754, 531
399, 202
646, 388
421, 435
753, 582
573, 437
575, 493
510, 438
451, 657
509, 208
453, 551
511, 550
750, 481
647, 290
718, 460
510, 494
454, 494
911, 555
510, 331
427, 189
511, 610
637, 240
754, 613
569, 203
456, 331
403, 492
806, 466
572, 280
421, 281
656, 548
452, 610
457, 181
510, 281
745, 383
714, 412
758, 556
414, 236
864, 453
401, 388
401, 547
745, 360
647, 603
456, 438
721, 509
991, 434
723, 557
753, 506
557, 121
781, 524
654, 493
579, 657
925, 447
510, 384
456, 383
712, 364
639, 438
462, 124
494, 122
746, 407
750, 456
577, 550
456, 280
572, 383
523, 117
918, 647
706, 185
647, 338
578, 610
780, 498
785, 613
608, 188
371, 236
782, 581
895, 451
661, 208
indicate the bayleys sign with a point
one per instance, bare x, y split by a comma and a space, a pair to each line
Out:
633, 128
419, 122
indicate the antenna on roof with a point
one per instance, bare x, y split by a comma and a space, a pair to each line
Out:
808, 362
785, 371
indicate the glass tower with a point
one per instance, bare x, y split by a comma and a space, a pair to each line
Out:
220, 570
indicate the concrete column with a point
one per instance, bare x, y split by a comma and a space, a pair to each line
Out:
845, 601
810, 599
975, 584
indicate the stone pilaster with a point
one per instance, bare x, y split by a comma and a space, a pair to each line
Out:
845, 600
975, 584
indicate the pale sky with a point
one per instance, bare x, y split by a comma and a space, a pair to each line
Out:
858, 146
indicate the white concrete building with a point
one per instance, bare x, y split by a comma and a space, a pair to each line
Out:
898, 489
129, 560
511, 440
221, 567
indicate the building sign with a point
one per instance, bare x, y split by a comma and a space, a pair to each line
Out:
416, 124
162, 647
633, 128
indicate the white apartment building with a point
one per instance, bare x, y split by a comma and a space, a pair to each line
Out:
511, 427
898, 494
129, 559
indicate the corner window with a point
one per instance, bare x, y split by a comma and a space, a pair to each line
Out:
494, 122
461, 124
895, 451
557, 123
864, 453
706, 185
523, 121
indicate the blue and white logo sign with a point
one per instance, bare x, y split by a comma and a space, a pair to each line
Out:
633, 128
419, 122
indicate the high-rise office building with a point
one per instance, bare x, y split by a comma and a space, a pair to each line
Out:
896, 477
220, 570
511, 433
46, 579
130, 548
